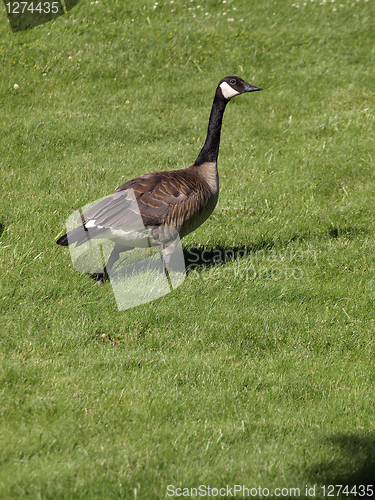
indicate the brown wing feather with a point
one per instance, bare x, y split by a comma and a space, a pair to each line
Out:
161, 198
110, 212
160, 193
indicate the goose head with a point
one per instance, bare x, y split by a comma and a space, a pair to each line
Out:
231, 86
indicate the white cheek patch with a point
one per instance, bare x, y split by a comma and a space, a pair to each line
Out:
227, 91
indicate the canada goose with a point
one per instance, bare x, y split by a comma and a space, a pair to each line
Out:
170, 204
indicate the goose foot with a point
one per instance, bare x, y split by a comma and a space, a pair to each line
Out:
101, 277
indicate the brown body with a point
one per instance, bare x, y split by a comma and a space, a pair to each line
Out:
182, 199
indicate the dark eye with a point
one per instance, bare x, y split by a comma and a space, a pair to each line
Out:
233, 82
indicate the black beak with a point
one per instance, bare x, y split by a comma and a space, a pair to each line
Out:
251, 88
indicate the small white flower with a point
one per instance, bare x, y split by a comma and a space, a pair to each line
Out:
70, 57
127, 102
44, 74
15, 86
230, 20
241, 20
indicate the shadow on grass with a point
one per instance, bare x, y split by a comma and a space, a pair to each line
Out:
2, 229
199, 258
352, 463
337, 232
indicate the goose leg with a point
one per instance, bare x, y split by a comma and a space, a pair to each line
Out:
166, 253
114, 256
166, 260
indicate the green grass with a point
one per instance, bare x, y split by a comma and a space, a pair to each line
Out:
256, 371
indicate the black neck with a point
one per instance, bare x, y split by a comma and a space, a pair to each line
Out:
210, 150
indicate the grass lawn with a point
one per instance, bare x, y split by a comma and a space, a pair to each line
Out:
259, 369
